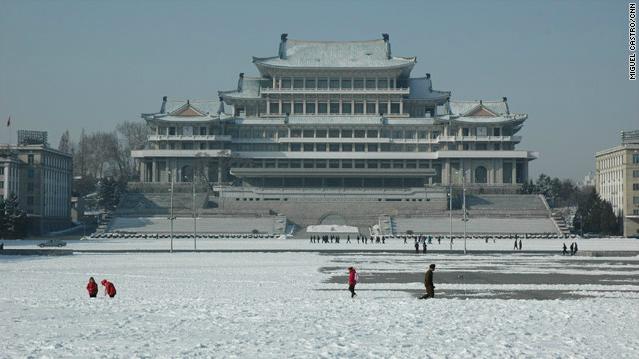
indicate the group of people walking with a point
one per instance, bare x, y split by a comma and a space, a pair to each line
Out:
518, 245
335, 238
92, 288
423, 241
573, 249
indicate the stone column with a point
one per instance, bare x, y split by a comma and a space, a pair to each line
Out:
513, 180
154, 168
220, 168
8, 183
446, 172
142, 171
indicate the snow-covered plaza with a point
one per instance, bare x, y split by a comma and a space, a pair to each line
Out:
294, 304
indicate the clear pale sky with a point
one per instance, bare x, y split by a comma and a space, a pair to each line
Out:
92, 64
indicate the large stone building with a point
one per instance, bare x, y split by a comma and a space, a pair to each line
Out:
617, 180
41, 178
342, 115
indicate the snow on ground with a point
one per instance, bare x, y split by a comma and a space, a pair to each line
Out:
274, 305
531, 244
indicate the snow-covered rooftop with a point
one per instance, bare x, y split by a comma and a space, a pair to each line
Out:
250, 89
469, 108
421, 88
346, 54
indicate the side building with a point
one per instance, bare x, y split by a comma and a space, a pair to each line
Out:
41, 177
617, 180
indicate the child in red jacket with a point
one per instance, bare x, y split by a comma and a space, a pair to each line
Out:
92, 288
109, 288
353, 277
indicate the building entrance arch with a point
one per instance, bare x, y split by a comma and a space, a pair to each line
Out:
187, 173
481, 175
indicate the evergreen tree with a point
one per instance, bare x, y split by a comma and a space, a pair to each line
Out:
65, 142
595, 215
14, 223
109, 193
3, 217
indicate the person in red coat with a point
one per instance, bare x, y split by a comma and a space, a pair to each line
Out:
92, 288
353, 277
109, 288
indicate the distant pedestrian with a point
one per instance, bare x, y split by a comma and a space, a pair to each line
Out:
515, 248
424, 244
353, 278
348, 238
92, 288
109, 288
428, 283
565, 249
439, 239
405, 238
572, 248
416, 246
1, 246
575, 247
520, 244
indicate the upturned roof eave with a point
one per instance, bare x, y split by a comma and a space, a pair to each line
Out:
259, 63
512, 118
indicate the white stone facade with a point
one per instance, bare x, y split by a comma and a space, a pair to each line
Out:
617, 180
336, 114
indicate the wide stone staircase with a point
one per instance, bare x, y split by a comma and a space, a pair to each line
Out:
560, 222
487, 214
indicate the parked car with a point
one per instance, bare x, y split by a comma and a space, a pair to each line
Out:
52, 243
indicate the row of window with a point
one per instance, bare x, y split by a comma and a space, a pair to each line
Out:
635, 158
263, 132
189, 146
187, 131
367, 147
611, 162
338, 164
334, 108
344, 83
333, 133
332, 147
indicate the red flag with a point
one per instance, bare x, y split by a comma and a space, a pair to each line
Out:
9, 121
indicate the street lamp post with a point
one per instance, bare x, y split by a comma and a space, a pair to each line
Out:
171, 217
450, 209
194, 219
465, 217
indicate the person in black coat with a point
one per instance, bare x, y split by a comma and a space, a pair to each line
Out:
428, 283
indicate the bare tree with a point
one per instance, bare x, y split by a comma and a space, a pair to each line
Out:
65, 142
133, 136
